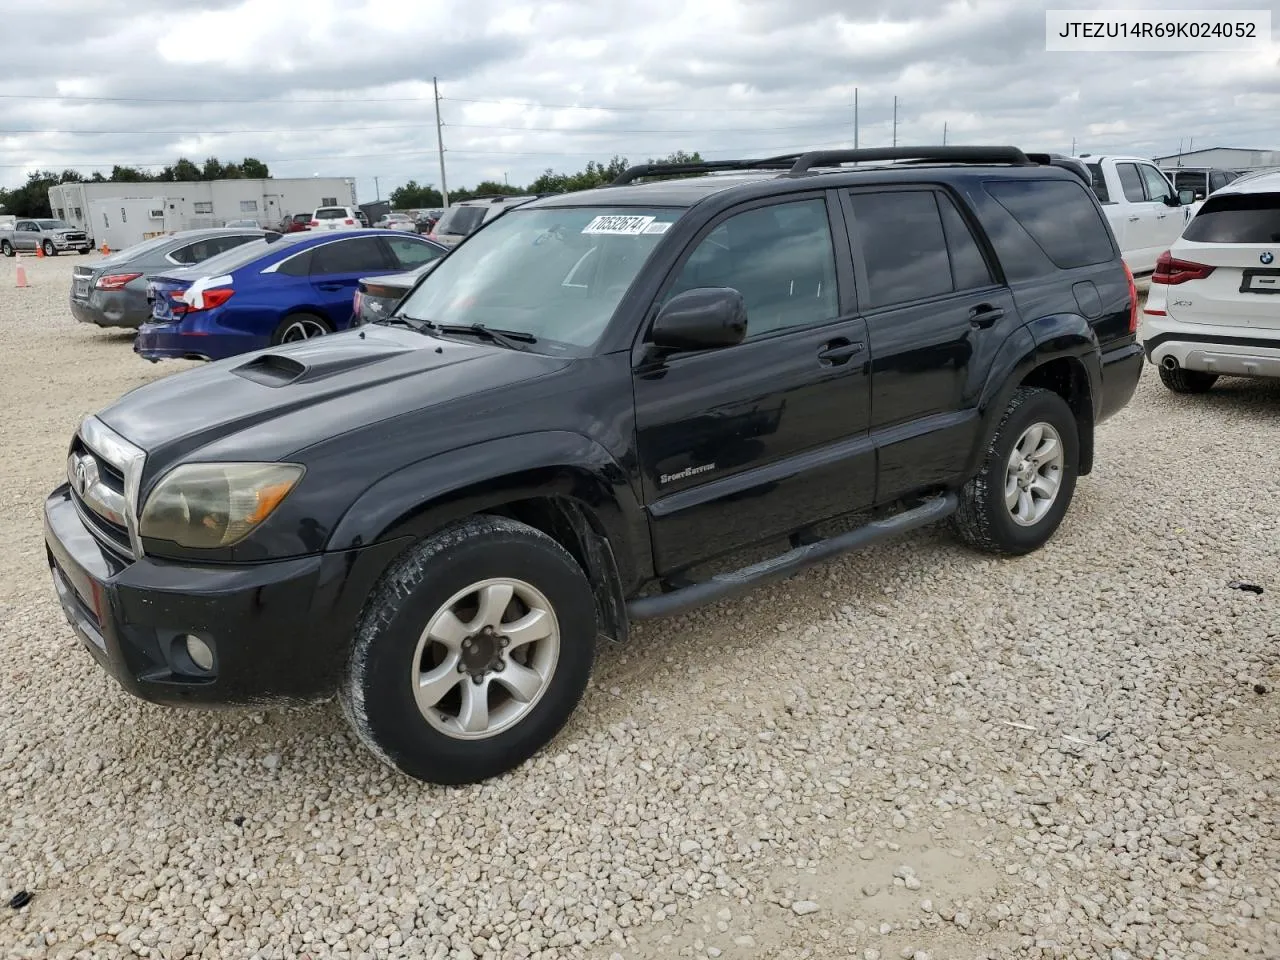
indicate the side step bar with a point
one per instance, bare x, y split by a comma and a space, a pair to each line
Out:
724, 585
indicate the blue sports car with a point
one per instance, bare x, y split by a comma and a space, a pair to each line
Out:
270, 291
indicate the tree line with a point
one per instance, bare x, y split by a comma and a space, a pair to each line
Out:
32, 198
415, 196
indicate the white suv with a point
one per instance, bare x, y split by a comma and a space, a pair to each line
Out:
1214, 305
335, 218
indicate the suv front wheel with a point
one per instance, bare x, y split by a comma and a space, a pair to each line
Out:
472, 653
1022, 492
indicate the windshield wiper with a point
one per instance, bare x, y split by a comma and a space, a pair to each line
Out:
403, 320
511, 339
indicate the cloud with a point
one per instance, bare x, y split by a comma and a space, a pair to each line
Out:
344, 88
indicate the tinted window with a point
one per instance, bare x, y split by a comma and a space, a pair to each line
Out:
780, 258
412, 253
332, 213
1131, 181
903, 246
968, 266
1237, 218
299, 266
238, 256
1218, 180
1059, 216
460, 221
1157, 186
1189, 180
348, 256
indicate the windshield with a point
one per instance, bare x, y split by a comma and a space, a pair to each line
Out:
54, 225
142, 247
460, 221
557, 273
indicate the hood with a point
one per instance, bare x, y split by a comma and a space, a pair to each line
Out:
267, 404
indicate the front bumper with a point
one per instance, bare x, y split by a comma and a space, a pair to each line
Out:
62, 246
279, 630
1227, 350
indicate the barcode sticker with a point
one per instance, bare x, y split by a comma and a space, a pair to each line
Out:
618, 225
661, 226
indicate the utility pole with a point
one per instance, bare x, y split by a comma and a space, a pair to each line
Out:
444, 187
377, 191
855, 118
895, 121
1073, 146
944, 133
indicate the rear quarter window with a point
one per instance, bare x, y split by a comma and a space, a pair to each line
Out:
1059, 216
1237, 218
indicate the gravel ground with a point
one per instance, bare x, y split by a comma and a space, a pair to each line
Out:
912, 752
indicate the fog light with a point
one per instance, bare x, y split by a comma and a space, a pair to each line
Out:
199, 652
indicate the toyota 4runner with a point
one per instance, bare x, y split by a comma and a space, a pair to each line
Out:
437, 515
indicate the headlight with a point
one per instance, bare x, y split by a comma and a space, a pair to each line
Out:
207, 505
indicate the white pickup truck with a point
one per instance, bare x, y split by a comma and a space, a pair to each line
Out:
1145, 212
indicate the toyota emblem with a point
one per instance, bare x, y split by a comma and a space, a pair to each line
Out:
1266, 257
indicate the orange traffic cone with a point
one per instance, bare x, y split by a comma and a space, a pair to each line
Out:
39, 249
105, 249
22, 275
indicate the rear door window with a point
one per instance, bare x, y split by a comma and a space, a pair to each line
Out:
903, 246
1131, 182
1059, 217
357, 255
460, 221
969, 269
1237, 218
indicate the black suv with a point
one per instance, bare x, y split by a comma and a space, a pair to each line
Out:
582, 407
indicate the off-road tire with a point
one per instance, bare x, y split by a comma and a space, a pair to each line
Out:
377, 695
1180, 380
983, 521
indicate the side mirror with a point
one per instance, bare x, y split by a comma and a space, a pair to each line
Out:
701, 319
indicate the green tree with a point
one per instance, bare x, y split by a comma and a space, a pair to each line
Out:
212, 170
412, 195
121, 174
182, 171
594, 175
254, 169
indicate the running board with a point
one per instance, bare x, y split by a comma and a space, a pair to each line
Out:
724, 585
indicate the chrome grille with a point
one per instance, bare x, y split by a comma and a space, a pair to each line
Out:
103, 470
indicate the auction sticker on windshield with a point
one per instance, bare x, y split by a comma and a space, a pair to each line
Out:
626, 226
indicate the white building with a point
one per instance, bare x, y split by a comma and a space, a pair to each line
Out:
1223, 158
121, 214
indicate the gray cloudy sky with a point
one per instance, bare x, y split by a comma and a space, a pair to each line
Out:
343, 87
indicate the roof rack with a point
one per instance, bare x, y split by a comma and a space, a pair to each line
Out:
632, 174
830, 158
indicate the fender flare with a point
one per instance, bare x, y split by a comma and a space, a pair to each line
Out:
1036, 343
423, 496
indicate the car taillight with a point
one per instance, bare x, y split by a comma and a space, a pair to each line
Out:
208, 300
114, 281
1172, 271
1133, 299
315, 223
348, 222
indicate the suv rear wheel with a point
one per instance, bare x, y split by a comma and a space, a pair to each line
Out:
1180, 380
472, 653
1022, 492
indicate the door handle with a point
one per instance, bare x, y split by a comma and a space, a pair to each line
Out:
329, 286
839, 351
984, 315
1134, 219
1161, 216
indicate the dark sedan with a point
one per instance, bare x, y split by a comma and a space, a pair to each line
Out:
376, 297
113, 291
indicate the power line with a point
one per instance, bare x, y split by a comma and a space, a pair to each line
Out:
744, 151
602, 131
72, 98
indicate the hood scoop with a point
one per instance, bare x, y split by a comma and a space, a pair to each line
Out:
282, 369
